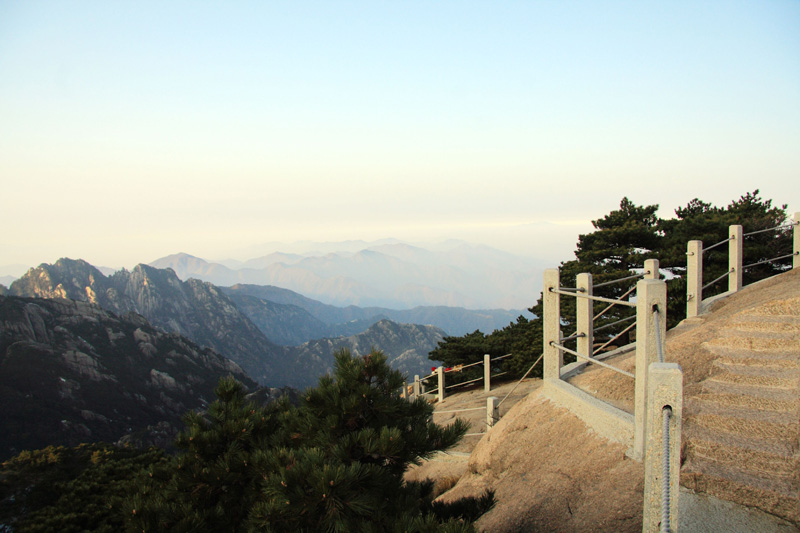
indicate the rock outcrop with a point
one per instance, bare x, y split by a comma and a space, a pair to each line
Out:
72, 372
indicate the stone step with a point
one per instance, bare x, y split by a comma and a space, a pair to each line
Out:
761, 342
747, 410
743, 353
766, 462
777, 324
727, 393
759, 367
756, 379
775, 496
781, 429
788, 306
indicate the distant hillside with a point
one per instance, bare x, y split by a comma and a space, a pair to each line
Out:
351, 319
393, 275
72, 372
405, 345
195, 309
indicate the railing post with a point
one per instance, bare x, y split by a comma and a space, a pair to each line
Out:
796, 247
649, 294
584, 310
664, 388
651, 266
416, 387
694, 278
735, 258
492, 411
551, 325
487, 372
440, 372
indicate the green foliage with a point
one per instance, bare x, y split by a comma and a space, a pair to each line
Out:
335, 463
60, 489
621, 242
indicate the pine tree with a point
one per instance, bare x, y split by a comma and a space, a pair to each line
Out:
335, 463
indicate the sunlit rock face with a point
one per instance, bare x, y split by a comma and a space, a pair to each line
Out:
195, 309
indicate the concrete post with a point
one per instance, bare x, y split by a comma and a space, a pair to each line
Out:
584, 310
665, 388
694, 278
440, 373
735, 258
649, 293
492, 411
487, 372
416, 387
404, 391
796, 247
551, 325
651, 265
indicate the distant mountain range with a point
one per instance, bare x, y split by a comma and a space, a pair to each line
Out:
72, 372
391, 275
209, 317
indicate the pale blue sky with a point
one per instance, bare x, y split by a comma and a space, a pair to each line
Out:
131, 130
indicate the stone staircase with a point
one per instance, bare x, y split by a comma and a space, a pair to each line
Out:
742, 428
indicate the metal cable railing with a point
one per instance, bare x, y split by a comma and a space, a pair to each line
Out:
612, 324
619, 280
774, 259
604, 311
612, 339
595, 361
592, 297
725, 275
782, 226
720, 243
520, 381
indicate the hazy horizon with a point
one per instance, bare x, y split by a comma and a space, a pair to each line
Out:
131, 131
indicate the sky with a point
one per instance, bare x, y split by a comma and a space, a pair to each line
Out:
133, 130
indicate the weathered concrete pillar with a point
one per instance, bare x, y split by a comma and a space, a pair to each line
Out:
551, 325
664, 388
584, 309
487, 372
440, 373
651, 266
694, 278
796, 248
735, 258
492, 411
649, 293
417, 390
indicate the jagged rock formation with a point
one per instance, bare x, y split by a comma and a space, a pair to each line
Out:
72, 372
195, 309
405, 345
